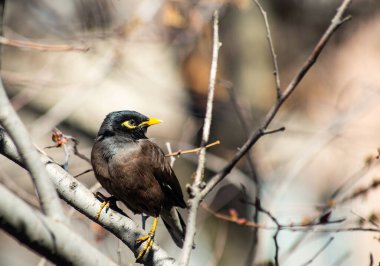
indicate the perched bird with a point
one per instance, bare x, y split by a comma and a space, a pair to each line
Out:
135, 171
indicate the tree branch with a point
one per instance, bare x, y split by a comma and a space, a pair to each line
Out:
82, 199
40, 46
196, 188
276, 71
48, 197
43, 234
337, 21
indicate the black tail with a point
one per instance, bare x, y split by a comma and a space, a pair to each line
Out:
175, 225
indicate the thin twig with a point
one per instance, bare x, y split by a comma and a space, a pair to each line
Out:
275, 236
180, 152
237, 220
196, 188
245, 222
268, 132
336, 22
319, 252
40, 46
370, 259
84, 172
276, 71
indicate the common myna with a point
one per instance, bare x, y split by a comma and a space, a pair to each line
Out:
135, 171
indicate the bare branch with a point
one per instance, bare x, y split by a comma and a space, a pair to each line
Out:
82, 199
47, 195
275, 236
336, 22
195, 189
180, 152
48, 237
268, 132
9, 119
276, 71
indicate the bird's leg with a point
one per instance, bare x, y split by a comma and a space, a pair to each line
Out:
143, 220
148, 239
107, 202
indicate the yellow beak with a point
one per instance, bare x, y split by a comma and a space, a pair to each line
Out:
151, 121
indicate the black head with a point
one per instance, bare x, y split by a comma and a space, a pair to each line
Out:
127, 123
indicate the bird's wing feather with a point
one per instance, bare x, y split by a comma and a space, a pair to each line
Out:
165, 174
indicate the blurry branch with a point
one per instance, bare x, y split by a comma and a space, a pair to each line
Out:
319, 252
362, 191
314, 227
251, 168
219, 244
16, 189
41, 47
9, 119
43, 234
197, 186
352, 180
75, 95
234, 218
82, 199
342, 259
336, 22
323, 137
276, 71
181, 152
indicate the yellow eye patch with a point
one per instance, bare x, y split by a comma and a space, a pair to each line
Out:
132, 124
129, 124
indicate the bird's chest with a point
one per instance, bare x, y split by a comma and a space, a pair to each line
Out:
127, 172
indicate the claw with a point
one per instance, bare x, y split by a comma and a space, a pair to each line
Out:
149, 239
105, 204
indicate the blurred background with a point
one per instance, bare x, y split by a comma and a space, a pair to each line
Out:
154, 57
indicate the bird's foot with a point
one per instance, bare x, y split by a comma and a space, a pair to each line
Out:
148, 239
107, 202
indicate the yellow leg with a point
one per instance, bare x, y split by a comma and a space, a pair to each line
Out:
148, 239
105, 204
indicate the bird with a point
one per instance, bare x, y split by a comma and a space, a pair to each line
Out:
135, 171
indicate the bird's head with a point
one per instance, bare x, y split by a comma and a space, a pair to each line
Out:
127, 123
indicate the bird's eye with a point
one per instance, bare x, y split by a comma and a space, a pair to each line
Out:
132, 122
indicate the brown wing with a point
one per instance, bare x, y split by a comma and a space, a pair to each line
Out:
133, 181
164, 174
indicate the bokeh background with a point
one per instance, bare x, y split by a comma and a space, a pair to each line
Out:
154, 57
